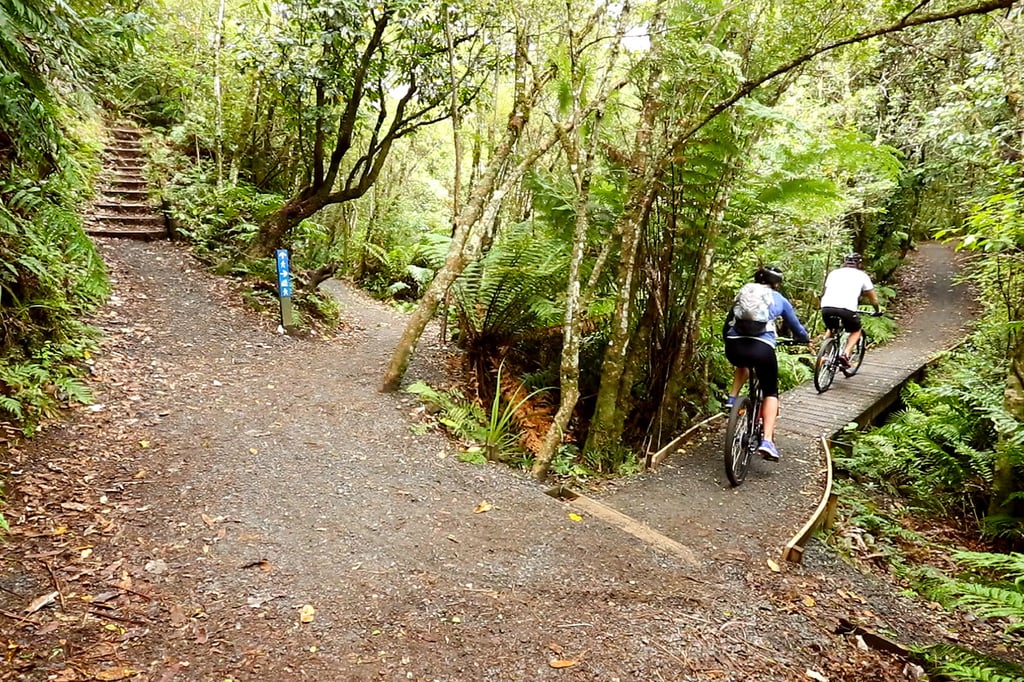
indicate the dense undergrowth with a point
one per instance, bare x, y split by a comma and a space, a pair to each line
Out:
916, 494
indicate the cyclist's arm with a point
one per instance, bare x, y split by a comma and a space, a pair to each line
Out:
873, 299
800, 334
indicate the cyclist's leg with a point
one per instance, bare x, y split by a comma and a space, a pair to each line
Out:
767, 368
852, 325
768, 374
735, 353
739, 378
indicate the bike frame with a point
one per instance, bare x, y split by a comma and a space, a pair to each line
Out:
743, 434
827, 363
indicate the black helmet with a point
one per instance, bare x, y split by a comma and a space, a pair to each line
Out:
853, 258
769, 274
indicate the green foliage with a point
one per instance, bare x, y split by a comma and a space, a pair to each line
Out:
991, 585
492, 430
939, 450
957, 664
794, 368
498, 437
51, 276
567, 463
509, 292
454, 411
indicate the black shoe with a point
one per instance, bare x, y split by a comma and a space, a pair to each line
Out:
844, 361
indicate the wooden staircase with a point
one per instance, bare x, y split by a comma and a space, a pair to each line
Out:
123, 207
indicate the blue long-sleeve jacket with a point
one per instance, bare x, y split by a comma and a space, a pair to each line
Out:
781, 307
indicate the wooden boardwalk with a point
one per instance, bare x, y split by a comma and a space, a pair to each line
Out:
859, 398
686, 496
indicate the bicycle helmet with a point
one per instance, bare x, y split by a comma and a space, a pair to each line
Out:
853, 258
768, 274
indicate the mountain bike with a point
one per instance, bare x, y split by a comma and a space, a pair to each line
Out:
827, 363
743, 434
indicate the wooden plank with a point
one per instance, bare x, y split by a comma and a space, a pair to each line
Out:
634, 528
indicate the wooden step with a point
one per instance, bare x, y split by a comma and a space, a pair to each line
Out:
126, 232
126, 183
150, 220
124, 152
114, 207
121, 195
127, 162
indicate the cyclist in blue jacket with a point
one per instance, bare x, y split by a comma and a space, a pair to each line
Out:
758, 352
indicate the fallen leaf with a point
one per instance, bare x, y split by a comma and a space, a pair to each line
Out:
575, 517
809, 601
774, 566
562, 663
814, 675
178, 617
253, 451
115, 674
307, 613
144, 443
484, 506
74, 506
40, 602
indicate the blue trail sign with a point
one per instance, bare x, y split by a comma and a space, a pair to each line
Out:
284, 289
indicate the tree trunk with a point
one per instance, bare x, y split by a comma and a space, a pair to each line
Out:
286, 217
609, 413
1007, 481
481, 209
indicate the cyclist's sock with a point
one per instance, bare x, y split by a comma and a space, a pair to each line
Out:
730, 401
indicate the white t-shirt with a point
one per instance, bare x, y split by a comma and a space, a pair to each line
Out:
843, 288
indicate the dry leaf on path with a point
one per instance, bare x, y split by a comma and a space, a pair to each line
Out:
484, 506
40, 602
562, 663
774, 566
307, 613
814, 675
575, 517
115, 674
809, 601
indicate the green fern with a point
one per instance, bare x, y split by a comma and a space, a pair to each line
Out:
963, 665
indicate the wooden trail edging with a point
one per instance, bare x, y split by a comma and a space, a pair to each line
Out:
824, 513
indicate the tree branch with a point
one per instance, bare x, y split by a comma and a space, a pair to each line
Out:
906, 22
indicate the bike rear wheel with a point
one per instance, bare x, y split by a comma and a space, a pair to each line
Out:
738, 440
825, 364
857, 356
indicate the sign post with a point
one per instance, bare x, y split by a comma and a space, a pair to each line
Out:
284, 290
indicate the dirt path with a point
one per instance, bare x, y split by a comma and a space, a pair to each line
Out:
229, 477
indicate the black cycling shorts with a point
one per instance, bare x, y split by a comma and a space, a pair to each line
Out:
833, 317
747, 352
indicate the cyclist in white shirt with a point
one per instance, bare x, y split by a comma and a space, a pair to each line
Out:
843, 288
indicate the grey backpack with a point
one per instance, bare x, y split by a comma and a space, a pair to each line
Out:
751, 310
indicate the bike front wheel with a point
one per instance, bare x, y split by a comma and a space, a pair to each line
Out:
857, 356
825, 365
738, 440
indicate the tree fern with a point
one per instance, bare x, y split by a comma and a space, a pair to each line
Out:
506, 294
